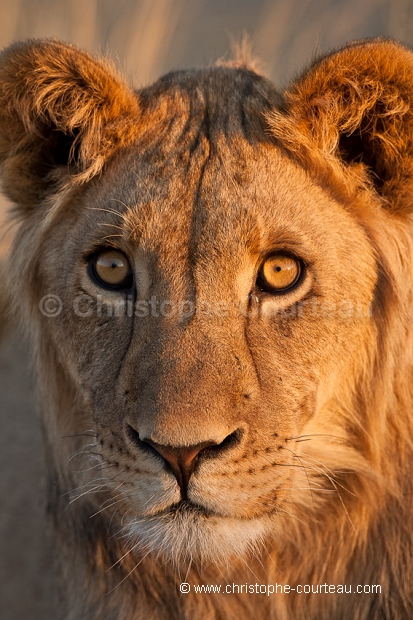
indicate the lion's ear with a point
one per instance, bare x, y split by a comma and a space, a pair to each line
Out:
354, 109
61, 111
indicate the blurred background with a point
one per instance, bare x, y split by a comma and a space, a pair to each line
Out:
145, 38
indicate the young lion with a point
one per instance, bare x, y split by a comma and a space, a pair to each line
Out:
217, 280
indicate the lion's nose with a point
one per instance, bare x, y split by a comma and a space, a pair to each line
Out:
182, 461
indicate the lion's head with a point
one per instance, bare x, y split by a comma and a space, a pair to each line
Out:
217, 278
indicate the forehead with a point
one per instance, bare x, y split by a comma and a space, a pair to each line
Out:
205, 172
200, 134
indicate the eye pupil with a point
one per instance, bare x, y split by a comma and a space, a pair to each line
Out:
279, 273
111, 269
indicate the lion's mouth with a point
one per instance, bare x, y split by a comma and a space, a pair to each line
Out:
185, 507
188, 532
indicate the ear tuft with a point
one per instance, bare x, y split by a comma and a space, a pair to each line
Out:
355, 108
58, 107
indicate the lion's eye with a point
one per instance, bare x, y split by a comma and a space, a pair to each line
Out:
111, 269
279, 273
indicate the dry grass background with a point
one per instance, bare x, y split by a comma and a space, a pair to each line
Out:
146, 38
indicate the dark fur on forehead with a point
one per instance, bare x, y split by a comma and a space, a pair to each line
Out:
233, 99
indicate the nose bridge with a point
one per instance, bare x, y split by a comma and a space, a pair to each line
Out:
193, 387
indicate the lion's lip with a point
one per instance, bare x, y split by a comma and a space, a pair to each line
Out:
185, 506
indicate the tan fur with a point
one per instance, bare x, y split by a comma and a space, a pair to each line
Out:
307, 394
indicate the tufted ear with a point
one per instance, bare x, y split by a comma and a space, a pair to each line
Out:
352, 114
61, 111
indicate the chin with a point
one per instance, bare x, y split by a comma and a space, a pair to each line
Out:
186, 534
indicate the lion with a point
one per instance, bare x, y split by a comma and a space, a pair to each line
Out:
216, 277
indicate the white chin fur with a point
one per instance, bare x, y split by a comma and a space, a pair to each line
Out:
184, 536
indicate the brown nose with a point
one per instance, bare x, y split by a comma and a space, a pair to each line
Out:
181, 461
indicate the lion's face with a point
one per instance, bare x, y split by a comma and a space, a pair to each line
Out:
197, 349
232, 274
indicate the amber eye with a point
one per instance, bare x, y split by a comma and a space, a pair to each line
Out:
279, 273
111, 269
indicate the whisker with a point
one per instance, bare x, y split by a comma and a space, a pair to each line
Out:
118, 501
130, 573
122, 203
110, 522
123, 556
290, 514
110, 225
324, 469
83, 486
96, 489
112, 211
85, 434
335, 484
